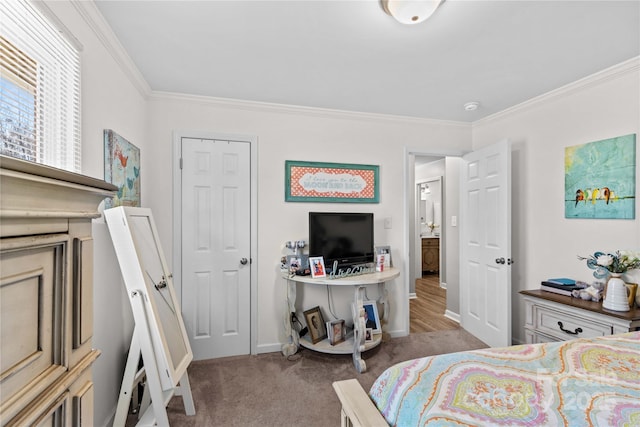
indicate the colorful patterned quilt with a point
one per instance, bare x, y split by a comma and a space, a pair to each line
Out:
582, 382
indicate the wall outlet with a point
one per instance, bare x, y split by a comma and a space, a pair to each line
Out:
387, 223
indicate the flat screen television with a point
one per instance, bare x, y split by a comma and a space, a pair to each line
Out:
345, 237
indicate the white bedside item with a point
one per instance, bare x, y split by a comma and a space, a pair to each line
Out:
553, 317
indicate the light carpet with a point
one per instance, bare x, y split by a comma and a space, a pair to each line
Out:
272, 390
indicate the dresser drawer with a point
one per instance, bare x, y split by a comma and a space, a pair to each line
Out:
563, 326
431, 243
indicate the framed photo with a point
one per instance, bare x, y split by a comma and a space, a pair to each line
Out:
316, 325
316, 264
386, 251
338, 332
368, 335
371, 318
330, 182
298, 264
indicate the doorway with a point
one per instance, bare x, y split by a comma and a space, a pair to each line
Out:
482, 240
428, 302
215, 242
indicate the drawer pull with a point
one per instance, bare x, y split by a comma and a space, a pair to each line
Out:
576, 332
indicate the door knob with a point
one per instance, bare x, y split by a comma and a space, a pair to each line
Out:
500, 261
244, 261
510, 261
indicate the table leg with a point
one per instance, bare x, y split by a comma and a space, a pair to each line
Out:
291, 347
384, 300
359, 329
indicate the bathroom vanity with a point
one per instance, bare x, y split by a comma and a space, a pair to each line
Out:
431, 254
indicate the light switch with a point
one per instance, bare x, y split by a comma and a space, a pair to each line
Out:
454, 221
387, 223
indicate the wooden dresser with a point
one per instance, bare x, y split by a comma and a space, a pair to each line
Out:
46, 294
553, 317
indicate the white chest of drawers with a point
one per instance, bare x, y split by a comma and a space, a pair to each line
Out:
46, 294
552, 317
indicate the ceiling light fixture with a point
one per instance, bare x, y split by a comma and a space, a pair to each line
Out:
410, 11
471, 106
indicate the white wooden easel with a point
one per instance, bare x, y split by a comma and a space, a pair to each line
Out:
159, 337
153, 411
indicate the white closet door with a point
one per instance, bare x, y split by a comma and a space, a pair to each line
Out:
216, 273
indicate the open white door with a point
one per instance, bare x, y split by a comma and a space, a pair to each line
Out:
485, 246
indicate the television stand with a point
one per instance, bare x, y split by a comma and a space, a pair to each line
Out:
355, 342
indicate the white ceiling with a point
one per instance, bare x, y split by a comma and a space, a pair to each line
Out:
349, 55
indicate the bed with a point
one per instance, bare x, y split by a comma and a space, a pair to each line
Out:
581, 382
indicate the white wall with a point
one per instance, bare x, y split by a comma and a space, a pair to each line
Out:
301, 134
452, 240
109, 101
545, 244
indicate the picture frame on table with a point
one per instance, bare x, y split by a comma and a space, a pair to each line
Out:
368, 335
338, 332
316, 264
298, 264
386, 251
372, 320
315, 324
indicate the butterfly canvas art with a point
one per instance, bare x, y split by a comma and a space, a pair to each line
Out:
122, 169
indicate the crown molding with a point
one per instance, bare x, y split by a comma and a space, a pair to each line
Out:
94, 19
608, 74
267, 107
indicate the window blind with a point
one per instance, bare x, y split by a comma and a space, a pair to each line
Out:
39, 89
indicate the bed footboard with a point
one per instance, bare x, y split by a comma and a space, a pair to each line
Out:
357, 408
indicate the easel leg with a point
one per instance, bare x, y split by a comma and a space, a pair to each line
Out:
141, 341
124, 401
184, 390
154, 395
145, 401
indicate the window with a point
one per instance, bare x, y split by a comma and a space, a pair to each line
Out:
39, 88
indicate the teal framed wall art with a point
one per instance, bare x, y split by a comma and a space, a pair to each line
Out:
600, 179
122, 169
331, 182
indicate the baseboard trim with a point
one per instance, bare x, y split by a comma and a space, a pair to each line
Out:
397, 334
269, 348
452, 316
412, 295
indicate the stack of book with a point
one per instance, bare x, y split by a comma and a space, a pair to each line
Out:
560, 286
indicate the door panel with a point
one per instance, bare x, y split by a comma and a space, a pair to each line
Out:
485, 283
216, 237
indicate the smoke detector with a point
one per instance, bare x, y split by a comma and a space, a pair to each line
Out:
471, 106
